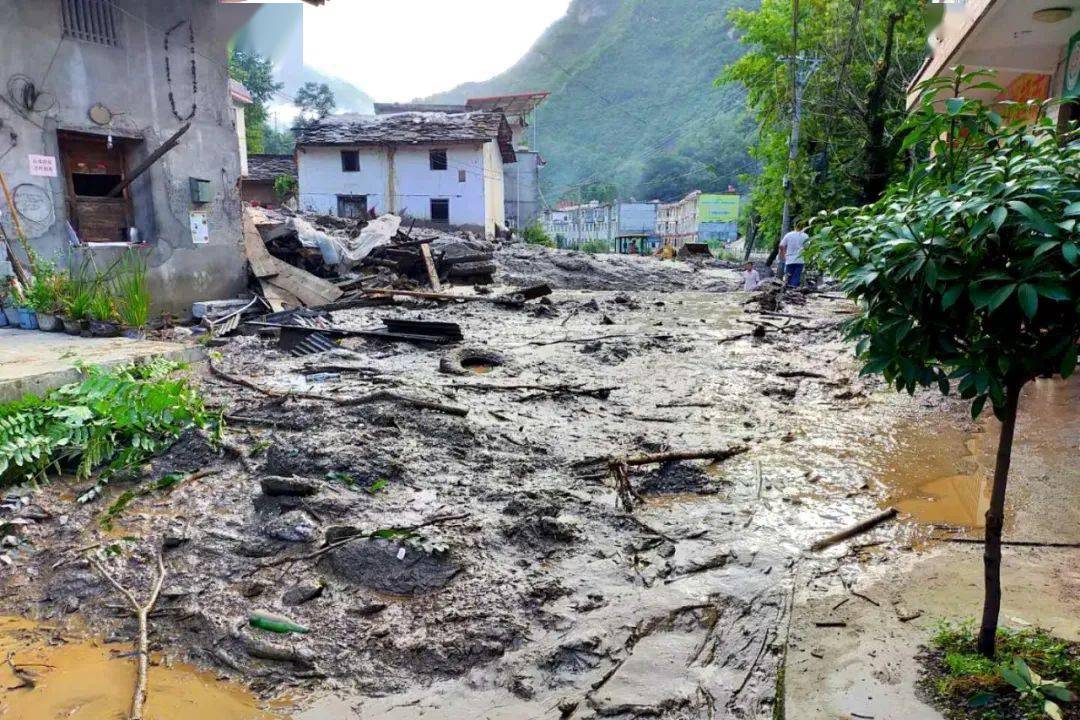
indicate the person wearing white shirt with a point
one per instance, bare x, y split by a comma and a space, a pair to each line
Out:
791, 254
751, 278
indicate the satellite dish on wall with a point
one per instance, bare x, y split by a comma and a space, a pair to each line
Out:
100, 115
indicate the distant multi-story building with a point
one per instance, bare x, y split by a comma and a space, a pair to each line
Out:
699, 217
619, 225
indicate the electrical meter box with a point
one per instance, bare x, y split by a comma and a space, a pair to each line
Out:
200, 190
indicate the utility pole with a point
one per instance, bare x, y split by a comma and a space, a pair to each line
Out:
802, 68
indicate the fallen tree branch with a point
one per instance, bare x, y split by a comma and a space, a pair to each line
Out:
437, 520
377, 396
600, 393
717, 455
856, 529
142, 611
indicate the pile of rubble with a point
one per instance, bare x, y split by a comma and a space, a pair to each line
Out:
369, 253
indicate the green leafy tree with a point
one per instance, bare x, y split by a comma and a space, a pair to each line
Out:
315, 100
967, 273
853, 106
256, 73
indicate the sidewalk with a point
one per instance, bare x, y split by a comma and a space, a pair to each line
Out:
32, 362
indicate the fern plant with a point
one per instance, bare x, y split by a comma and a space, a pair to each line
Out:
114, 419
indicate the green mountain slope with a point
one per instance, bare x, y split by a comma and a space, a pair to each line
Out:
632, 101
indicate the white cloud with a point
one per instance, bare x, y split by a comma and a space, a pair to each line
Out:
397, 50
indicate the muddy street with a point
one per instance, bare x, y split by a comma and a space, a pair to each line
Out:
481, 564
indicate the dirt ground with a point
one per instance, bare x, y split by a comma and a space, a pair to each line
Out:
867, 668
528, 592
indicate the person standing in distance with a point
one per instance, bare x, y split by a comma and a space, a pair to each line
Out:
791, 254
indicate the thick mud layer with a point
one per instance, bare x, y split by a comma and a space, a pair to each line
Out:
503, 578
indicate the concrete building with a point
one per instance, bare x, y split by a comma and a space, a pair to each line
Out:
436, 167
521, 180
241, 98
619, 225
699, 217
263, 172
1033, 45
96, 87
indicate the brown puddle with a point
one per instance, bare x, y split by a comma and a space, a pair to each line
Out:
944, 478
83, 680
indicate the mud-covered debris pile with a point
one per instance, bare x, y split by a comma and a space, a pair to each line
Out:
448, 565
376, 250
524, 264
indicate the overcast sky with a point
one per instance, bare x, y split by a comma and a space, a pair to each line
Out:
397, 50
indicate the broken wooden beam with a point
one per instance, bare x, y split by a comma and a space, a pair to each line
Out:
429, 265
152, 158
856, 529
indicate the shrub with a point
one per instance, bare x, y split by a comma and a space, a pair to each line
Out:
535, 234
113, 419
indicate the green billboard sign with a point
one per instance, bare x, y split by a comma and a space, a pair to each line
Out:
718, 208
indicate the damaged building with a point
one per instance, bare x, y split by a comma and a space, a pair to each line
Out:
438, 168
118, 128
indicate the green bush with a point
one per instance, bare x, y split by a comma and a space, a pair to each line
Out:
535, 234
113, 419
594, 247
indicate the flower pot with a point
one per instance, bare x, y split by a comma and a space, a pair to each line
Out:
71, 325
27, 319
103, 329
12, 314
48, 322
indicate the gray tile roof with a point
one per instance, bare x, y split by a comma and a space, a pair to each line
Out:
411, 128
265, 168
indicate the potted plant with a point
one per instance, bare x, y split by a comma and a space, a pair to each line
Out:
24, 302
102, 313
45, 298
3, 303
9, 303
132, 291
76, 313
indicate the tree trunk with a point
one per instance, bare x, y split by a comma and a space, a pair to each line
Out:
995, 518
879, 159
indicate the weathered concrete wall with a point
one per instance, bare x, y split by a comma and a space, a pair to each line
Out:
522, 181
131, 79
407, 185
494, 188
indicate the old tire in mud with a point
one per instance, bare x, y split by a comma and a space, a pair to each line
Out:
474, 360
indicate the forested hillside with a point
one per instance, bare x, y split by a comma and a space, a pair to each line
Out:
632, 98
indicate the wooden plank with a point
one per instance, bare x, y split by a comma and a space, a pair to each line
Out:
258, 256
278, 298
429, 263
309, 289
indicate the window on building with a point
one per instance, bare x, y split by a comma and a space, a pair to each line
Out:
350, 161
461, 176
90, 21
92, 168
440, 210
352, 206
438, 160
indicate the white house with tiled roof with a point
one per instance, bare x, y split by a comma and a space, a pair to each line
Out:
436, 167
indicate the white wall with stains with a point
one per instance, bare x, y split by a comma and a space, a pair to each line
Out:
400, 180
